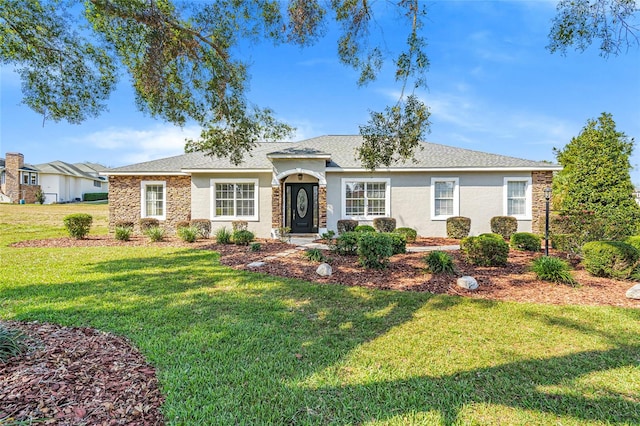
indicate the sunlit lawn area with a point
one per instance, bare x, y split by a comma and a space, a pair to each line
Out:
234, 347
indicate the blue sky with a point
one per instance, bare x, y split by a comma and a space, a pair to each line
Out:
493, 87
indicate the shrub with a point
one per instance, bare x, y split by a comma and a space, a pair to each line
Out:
571, 230
147, 223
95, 196
439, 262
124, 224
346, 225
182, 224
223, 236
364, 228
634, 241
409, 234
123, 233
612, 259
314, 255
40, 197
525, 241
458, 227
255, 247
485, 250
11, 343
398, 243
155, 234
203, 225
504, 225
374, 250
384, 224
553, 269
242, 237
347, 244
284, 234
239, 225
188, 234
78, 224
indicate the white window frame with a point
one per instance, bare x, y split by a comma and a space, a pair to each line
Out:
387, 198
456, 197
528, 197
256, 208
143, 199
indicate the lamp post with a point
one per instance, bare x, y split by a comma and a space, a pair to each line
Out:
547, 198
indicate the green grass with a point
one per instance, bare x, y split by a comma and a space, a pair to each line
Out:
238, 347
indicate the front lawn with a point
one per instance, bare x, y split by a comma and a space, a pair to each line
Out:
237, 347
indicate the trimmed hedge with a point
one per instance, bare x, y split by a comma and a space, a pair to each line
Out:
398, 243
485, 250
409, 234
147, 223
525, 241
346, 225
458, 227
611, 259
384, 224
78, 224
95, 196
242, 237
504, 225
364, 228
203, 225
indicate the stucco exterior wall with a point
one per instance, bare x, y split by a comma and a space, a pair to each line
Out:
202, 208
125, 200
481, 197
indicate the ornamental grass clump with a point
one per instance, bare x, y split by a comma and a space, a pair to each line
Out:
314, 255
123, 233
552, 269
485, 250
11, 343
440, 262
223, 236
78, 224
188, 234
155, 234
610, 259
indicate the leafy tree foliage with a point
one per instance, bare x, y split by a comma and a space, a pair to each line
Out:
595, 178
579, 23
182, 61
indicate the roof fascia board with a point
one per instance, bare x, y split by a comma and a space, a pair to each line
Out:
300, 156
445, 169
191, 171
107, 173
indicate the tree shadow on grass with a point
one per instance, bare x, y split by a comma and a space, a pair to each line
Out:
238, 347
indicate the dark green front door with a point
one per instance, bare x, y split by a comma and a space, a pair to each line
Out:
302, 207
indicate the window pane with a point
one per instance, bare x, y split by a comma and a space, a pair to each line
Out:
376, 207
154, 200
444, 189
354, 207
516, 207
516, 189
443, 198
444, 207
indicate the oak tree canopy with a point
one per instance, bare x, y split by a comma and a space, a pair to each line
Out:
180, 59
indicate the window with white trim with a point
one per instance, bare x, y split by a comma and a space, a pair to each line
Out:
445, 199
517, 197
29, 178
234, 199
365, 198
153, 199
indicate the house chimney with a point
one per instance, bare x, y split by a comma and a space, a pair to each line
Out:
13, 162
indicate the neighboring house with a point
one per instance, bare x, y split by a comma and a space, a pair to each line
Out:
310, 185
59, 181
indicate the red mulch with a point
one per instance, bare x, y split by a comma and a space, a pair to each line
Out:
83, 376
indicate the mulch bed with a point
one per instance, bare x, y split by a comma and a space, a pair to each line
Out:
83, 376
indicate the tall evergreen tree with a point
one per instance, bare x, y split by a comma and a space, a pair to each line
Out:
595, 179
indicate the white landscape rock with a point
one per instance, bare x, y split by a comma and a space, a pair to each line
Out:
255, 264
634, 292
324, 270
468, 282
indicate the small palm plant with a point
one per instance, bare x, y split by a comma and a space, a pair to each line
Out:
439, 262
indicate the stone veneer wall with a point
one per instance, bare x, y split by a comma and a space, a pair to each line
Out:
540, 181
276, 207
125, 197
322, 206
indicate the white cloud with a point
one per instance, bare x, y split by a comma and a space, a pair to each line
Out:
136, 146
